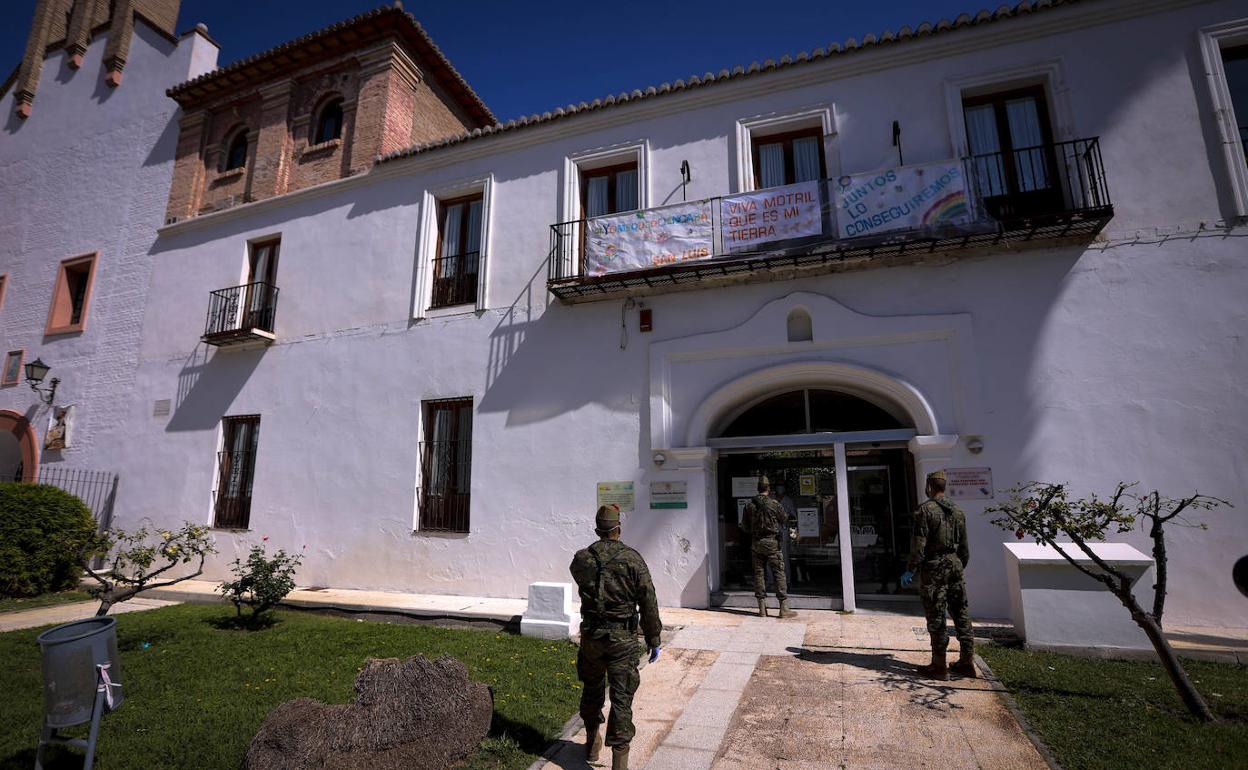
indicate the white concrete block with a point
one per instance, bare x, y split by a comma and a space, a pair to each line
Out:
1055, 606
549, 612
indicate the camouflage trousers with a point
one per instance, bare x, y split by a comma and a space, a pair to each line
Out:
942, 589
609, 660
766, 553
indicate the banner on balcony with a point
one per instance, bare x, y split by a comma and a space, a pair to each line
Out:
652, 238
775, 214
902, 198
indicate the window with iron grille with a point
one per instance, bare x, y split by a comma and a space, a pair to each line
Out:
459, 252
446, 466
236, 464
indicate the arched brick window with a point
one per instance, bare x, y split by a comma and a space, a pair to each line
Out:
328, 124
236, 150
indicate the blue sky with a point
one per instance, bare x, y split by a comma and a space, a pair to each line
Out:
527, 57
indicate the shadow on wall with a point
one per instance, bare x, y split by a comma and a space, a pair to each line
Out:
539, 367
208, 385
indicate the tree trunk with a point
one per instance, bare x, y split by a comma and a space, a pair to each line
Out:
1169, 661
1159, 562
105, 606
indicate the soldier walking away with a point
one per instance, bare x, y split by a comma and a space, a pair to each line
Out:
764, 518
617, 600
939, 551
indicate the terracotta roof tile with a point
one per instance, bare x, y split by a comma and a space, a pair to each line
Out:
694, 81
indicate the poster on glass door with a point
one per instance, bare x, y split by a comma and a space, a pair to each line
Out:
902, 198
639, 240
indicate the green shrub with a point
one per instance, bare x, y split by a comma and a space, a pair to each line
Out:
260, 582
44, 533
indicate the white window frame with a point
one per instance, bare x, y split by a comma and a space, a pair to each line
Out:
1048, 74
427, 245
822, 116
1212, 40
574, 163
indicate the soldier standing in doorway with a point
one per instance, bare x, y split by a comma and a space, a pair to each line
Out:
617, 599
939, 551
764, 518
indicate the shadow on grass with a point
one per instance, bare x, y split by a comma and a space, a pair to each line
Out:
243, 622
55, 758
529, 739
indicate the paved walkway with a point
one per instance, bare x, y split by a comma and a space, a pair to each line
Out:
822, 690
64, 613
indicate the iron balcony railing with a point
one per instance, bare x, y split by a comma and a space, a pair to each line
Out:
455, 279
235, 473
1056, 190
97, 489
239, 310
1048, 180
446, 473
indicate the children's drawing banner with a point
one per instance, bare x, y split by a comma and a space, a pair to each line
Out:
652, 238
902, 198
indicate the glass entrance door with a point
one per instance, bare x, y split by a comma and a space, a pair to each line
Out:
804, 482
881, 498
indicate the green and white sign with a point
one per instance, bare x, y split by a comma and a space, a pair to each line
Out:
669, 494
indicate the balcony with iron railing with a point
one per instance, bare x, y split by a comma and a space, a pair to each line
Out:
1044, 194
241, 315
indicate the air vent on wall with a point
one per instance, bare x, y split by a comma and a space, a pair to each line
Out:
161, 407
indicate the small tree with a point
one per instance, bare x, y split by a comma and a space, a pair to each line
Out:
260, 582
133, 564
1044, 512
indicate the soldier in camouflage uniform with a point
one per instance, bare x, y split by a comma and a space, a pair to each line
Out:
763, 518
617, 599
939, 551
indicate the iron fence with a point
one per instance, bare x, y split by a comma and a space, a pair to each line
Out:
241, 309
455, 279
1057, 179
446, 473
96, 489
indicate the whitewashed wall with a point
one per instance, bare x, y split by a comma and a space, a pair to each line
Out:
89, 171
1122, 360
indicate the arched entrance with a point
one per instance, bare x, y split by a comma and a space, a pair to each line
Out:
796, 439
19, 452
850, 445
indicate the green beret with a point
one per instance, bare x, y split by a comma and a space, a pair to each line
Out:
608, 517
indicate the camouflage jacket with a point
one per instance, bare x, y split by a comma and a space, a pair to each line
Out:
939, 528
614, 584
764, 517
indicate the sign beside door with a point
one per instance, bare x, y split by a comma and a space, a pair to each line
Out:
968, 483
744, 486
669, 494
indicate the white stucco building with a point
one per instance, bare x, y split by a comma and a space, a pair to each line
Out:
86, 158
453, 364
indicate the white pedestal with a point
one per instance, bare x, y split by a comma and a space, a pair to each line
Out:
1056, 607
549, 614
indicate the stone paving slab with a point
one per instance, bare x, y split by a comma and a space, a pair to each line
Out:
64, 613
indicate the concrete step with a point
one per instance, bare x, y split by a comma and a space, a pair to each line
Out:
746, 600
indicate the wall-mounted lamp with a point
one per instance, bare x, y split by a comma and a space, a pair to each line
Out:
659, 458
975, 445
897, 142
35, 372
686, 176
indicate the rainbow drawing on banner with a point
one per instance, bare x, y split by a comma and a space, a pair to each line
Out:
951, 208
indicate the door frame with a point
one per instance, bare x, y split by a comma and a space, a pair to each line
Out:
837, 442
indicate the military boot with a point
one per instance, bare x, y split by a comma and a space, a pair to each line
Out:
593, 742
965, 667
762, 608
619, 758
937, 669
785, 612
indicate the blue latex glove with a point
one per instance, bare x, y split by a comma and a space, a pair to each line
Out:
907, 578
654, 653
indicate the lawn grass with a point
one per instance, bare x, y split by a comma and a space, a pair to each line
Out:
42, 600
196, 693
1102, 714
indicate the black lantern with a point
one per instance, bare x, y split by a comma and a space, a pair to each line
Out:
35, 372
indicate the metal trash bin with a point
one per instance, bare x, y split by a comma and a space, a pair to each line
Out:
81, 680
